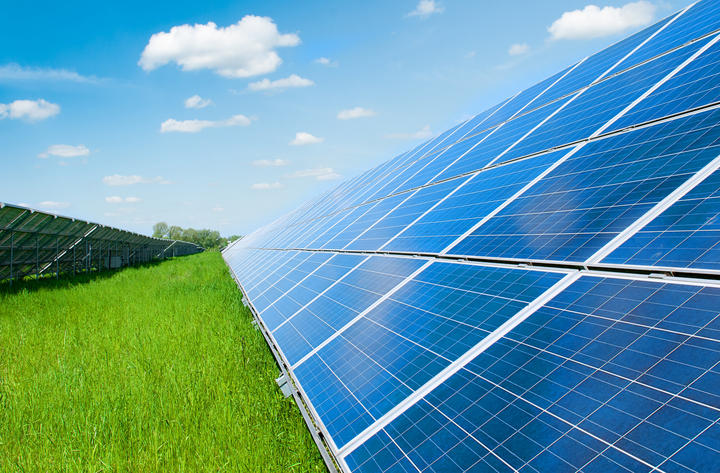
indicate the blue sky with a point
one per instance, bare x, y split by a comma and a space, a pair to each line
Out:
225, 116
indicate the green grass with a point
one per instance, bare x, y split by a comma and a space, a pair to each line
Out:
150, 369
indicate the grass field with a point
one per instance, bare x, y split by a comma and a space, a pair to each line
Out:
150, 369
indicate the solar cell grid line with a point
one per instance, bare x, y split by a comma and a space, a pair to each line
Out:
600, 61
267, 289
660, 207
602, 101
341, 222
417, 153
307, 275
372, 213
545, 341
249, 269
699, 19
361, 314
367, 194
620, 104
594, 134
313, 288
314, 228
301, 231
457, 364
472, 199
608, 246
694, 87
684, 235
533, 93
337, 281
663, 157
288, 276
435, 174
264, 272
421, 165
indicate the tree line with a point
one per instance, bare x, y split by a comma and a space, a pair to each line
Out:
208, 239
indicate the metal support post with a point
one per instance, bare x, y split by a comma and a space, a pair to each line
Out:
57, 258
12, 255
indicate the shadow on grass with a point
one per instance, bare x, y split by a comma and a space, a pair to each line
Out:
49, 281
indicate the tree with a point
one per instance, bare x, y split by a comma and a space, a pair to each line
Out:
175, 233
160, 230
208, 239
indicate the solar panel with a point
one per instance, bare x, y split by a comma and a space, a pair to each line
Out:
535, 289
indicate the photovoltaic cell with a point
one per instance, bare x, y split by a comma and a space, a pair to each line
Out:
596, 65
582, 204
696, 85
481, 195
398, 346
611, 375
687, 235
601, 102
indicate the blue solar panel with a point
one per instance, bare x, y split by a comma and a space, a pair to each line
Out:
400, 344
695, 86
481, 195
700, 19
601, 102
532, 290
687, 235
580, 206
500, 139
611, 375
602, 63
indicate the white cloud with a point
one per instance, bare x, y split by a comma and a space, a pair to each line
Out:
121, 180
119, 200
270, 162
193, 126
357, 112
197, 102
321, 174
267, 185
29, 110
244, 49
303, 138
293, 80
326, 62
518, 49
14, 71
594, 22
52, 205
425, 8
218, 209
423, 133
65, 151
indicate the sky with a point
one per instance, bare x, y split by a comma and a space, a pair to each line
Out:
227, 114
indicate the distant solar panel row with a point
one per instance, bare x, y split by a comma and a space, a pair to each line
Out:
535, 289
39, 243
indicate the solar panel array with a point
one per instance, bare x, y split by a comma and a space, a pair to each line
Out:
39, 243
535, 289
